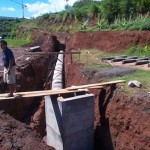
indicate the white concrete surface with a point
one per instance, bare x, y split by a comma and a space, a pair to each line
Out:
70, 122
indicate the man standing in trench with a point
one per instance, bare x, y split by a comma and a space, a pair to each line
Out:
9, 67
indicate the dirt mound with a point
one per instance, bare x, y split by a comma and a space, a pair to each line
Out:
123, 121
108, 40
31, 75
15, 135
47, 41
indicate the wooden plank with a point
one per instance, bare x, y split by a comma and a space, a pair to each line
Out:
97, 84
43, 92
73, 89
39, 94
95, 87
50, 53
33, 92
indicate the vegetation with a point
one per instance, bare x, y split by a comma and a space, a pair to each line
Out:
6, 26
138, 51
139, 75
93, 60
87, 15
92, 15
17, 43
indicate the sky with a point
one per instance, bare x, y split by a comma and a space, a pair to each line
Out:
34, 8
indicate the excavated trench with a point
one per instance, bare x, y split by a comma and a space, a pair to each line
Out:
31, 111
118, 118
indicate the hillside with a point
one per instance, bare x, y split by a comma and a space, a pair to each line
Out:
7, 25
85, 15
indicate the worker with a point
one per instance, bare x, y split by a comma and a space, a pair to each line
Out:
9, 67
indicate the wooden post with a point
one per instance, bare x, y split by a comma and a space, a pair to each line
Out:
79, 54
87, 58
71, 57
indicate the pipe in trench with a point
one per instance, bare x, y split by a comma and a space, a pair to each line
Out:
57, 76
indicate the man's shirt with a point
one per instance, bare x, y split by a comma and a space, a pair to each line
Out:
7, 55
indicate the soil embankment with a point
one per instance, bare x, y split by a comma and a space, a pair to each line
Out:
121, 121
33, 74
108, 40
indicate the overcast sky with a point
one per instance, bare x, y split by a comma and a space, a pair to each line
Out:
12, 8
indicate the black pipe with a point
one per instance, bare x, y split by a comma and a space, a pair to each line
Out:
142, 62
117, 59
129, 61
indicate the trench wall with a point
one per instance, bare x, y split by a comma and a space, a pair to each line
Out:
30, 77
121, 121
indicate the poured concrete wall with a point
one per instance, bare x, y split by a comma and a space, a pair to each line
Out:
70, 122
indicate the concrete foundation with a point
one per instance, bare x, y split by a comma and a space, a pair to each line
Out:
70, 122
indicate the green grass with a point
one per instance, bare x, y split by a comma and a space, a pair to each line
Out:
138, 51
92, 59
139, 75
17, 43
90, 62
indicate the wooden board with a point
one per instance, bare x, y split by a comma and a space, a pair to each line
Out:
95, 87
32, 92
49, 91
96, 84
50, 53
39, 93
73, 89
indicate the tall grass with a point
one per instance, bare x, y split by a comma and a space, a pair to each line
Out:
138, 51
17, 43
139, 23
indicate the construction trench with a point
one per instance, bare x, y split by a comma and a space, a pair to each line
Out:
100, 119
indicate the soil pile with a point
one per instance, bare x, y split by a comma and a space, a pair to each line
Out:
48, 42
15, 135
31, 75
123, 121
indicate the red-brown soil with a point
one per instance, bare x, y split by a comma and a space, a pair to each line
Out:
108, 40
121, 122
31, 75
15, 135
